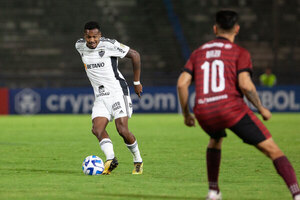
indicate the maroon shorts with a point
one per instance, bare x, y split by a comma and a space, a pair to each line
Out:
250, 129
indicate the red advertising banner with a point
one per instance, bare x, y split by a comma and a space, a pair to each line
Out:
4, 101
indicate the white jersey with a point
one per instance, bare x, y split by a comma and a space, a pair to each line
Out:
101, 66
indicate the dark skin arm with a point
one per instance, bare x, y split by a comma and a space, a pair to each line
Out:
136, 64
249, 90
183, 84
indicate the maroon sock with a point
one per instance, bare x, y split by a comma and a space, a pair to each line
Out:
213, 158
286, 171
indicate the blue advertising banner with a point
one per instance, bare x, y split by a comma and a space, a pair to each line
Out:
156, 100
153, 100
80, 100
279, 98
40, 101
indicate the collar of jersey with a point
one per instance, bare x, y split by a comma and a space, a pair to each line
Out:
222, 38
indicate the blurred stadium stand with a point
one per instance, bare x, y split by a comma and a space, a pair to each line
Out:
38, 36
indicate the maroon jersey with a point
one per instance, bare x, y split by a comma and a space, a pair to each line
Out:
215, 67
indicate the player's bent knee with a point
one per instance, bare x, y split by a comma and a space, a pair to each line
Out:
275, 153
122, 130
270, 149
215, 143
122, 127
97, 132
94, 131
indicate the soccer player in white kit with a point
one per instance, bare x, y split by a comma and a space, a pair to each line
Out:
112, 99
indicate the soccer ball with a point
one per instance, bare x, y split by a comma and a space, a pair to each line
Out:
92, 165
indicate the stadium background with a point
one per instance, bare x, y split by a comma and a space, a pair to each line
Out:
38, 37
41, 72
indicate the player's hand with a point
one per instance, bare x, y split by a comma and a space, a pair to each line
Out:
265, 113
189, 120
138, 89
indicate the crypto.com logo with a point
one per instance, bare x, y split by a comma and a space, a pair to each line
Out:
27, 101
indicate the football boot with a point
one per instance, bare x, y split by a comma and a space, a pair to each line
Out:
110, 165
138, 168
214, 195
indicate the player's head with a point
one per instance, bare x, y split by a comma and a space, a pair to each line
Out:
92, 34
226, 22
268, 71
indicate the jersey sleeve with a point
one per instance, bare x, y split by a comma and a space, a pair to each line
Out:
79, 45
118, 49
189, 66
244, 62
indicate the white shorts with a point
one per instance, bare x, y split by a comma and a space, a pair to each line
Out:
112, 107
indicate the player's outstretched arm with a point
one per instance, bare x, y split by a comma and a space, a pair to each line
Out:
249, 90
183, 84
136, 64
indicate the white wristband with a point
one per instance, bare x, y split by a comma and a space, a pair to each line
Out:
136, 82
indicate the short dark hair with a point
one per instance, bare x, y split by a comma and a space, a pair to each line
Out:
226, 19
91, 25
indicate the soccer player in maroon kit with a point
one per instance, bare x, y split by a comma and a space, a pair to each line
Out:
222, 72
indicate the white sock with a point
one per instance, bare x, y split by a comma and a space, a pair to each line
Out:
134, 149
107, 148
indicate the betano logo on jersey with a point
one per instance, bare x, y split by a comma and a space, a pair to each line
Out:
94, 65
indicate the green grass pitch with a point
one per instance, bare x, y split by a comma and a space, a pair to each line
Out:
41, 158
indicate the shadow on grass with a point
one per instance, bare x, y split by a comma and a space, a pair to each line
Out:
13, 143
141, 196
47, 171
103, 195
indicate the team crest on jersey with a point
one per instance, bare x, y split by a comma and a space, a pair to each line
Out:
101, 53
